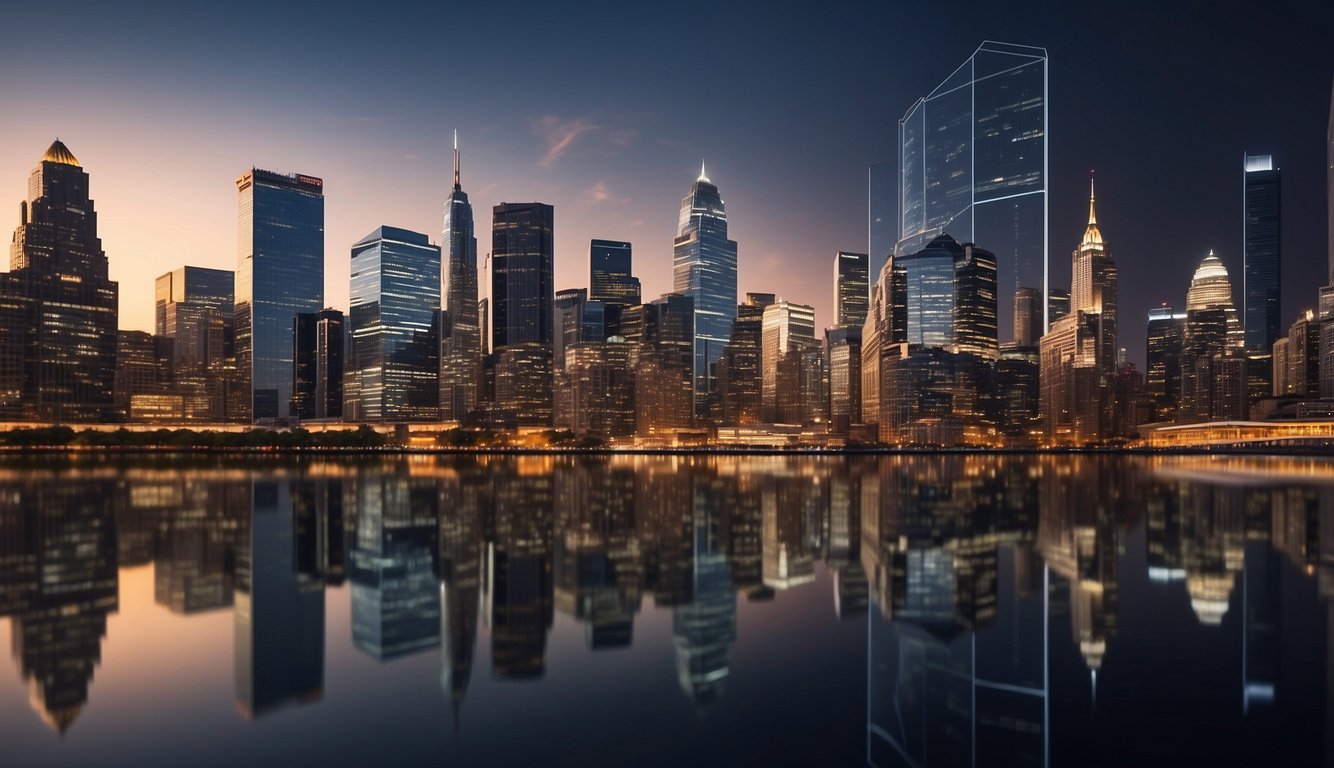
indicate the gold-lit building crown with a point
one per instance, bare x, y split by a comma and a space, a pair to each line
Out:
59, 153
1092, 236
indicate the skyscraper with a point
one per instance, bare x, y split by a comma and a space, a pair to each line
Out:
852, 290
1261, 248
951, 297
973, 163
395, 296
461, 335
318, 368
521, 295
1211, 288
739, 370
1093, 287
1078, 354
704, 268
58, 309
521, 273
975, 323
185, 299
787, 326
1162, 377
610, 280
279, 273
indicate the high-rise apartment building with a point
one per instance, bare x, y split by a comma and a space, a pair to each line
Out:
1263, 262
58, 308
973, 163
279, 274
704, 267
393, 320
852, 289
461, 335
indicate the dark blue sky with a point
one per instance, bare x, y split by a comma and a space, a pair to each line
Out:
605, 110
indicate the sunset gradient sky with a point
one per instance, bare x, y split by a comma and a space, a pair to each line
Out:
606, 109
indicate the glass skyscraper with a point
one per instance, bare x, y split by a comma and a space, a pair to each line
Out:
58, 309
973, 164
852, 289
461, 335
279, 273
704, 268
930, 292
521, 273
1262, 296
610, 279
395, 302
186, 299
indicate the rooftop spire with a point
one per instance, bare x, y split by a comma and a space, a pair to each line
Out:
456, 159
702, 177
1093, 217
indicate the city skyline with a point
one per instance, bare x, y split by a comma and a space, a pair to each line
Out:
614, 166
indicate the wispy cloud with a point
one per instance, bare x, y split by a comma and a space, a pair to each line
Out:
559, 134
600, 193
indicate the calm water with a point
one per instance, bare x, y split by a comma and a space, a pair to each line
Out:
949, 610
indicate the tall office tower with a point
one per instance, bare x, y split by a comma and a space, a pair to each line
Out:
317, 391
461, 348
521, 296
852, 289
739, 369
279, 273
975, 321
973, 163
1077, 356
58, 309
1163, 358
886, 326
576, 319
664, 331
1207, 344
802, 397
1281, 367
187, 298
610, 280
704, 268
783, 322
1263, 254
1027, 317
1058, 304
1093, 287
394, 318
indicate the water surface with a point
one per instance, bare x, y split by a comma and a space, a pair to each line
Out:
553, 610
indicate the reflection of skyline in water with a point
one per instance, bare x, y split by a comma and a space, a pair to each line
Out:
1011, 600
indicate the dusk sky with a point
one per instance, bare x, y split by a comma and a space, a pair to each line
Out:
605, 110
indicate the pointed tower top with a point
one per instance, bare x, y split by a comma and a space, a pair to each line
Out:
702, 176
1092, 236
456, 159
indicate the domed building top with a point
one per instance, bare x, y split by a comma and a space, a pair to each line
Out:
59, 153
1211, 286
1092, 236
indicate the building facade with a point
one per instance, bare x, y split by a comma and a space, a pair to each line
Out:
704, 267
461, 336
318, 352
784, 324
522, 293
1263, 260
58, 308
393, 320
852, 288
279, 274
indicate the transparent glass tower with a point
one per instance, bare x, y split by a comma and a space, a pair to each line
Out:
973, 164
